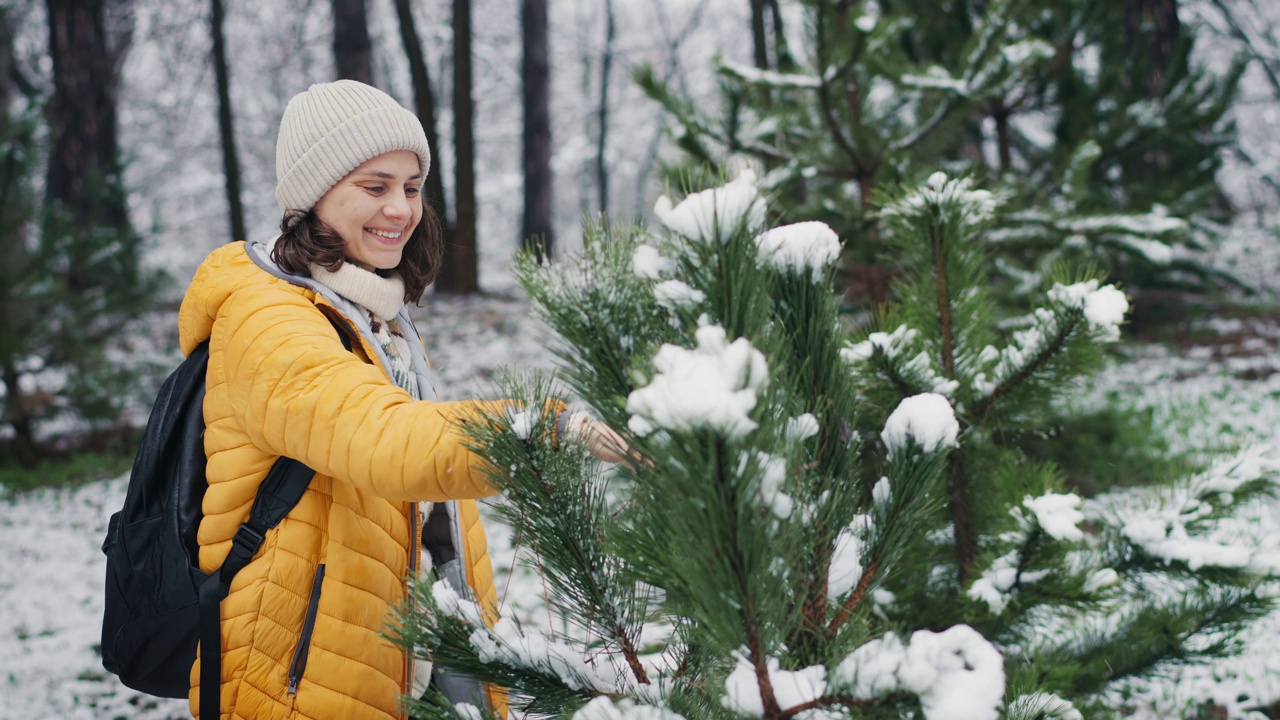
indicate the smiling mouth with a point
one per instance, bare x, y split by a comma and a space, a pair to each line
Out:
384, 234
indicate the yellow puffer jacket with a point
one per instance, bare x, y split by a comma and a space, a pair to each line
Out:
280, 382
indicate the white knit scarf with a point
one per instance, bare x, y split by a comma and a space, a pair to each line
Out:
382, 298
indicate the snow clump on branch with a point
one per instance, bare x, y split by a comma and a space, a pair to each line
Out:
650, 264
710, 387
742, 688
672, 294
919, 369
956, 673
800, 248
802, 427
927, 419
522, 422
771, 474
975, 206
713, 215
846, 561
997, 584
1104, 307
1057, 514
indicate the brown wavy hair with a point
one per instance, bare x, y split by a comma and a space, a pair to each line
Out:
306, 240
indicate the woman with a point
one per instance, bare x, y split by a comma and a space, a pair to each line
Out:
300, 628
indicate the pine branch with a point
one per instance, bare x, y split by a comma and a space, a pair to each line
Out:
827, 701
632, 657
928, 126
897, 379
1024, 556
855, 597
944, 299
761, 664
1064, 328
580, 573
961, 518
1169, 645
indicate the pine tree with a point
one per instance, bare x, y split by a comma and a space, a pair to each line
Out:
56, 335
1036, 96
819, 522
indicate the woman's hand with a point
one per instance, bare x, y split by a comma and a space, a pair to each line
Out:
600, 439
605, 444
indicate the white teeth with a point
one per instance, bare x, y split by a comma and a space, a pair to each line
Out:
387, 235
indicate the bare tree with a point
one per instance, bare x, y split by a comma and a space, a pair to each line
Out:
12, 256
760, 29
602, 112
1260, 39
535, 78
781, 55
758, 40
1152, 27
84, 166
672, 72
7, 74
352, 50
425, 105
1152, 30
226, 129
460, 273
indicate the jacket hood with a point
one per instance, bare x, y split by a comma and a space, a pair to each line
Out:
222, 273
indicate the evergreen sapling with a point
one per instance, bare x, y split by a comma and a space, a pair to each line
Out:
812, 526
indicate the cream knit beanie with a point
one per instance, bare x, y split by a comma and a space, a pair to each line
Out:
333, 128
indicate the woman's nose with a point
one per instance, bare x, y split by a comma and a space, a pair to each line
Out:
397, 206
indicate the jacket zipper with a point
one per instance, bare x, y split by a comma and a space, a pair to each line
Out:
415, 549
299, 663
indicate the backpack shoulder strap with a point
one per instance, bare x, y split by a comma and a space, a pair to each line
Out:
278, 494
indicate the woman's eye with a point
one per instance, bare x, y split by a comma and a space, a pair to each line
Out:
411, 191
375, 189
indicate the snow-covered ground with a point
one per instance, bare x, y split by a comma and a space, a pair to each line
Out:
1221, 390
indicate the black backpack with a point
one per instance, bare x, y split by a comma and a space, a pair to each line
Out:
159, 604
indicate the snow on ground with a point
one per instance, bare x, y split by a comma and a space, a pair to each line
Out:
1222, 389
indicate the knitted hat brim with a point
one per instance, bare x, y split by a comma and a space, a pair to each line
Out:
347, 146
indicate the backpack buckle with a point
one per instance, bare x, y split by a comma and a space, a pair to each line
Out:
247, 541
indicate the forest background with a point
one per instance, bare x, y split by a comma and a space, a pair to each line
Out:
140, 135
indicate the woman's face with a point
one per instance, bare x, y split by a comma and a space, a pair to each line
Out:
375, 209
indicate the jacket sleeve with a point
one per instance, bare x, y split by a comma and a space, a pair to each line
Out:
297, 392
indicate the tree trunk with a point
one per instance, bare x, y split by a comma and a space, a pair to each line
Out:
535, 77
7, 73
352, 51
425, 104
758, 41
1152, 29
1152, 32
83, 180
460, 273
602, 113
1004, 143
226, 129
11, 255
781, 54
